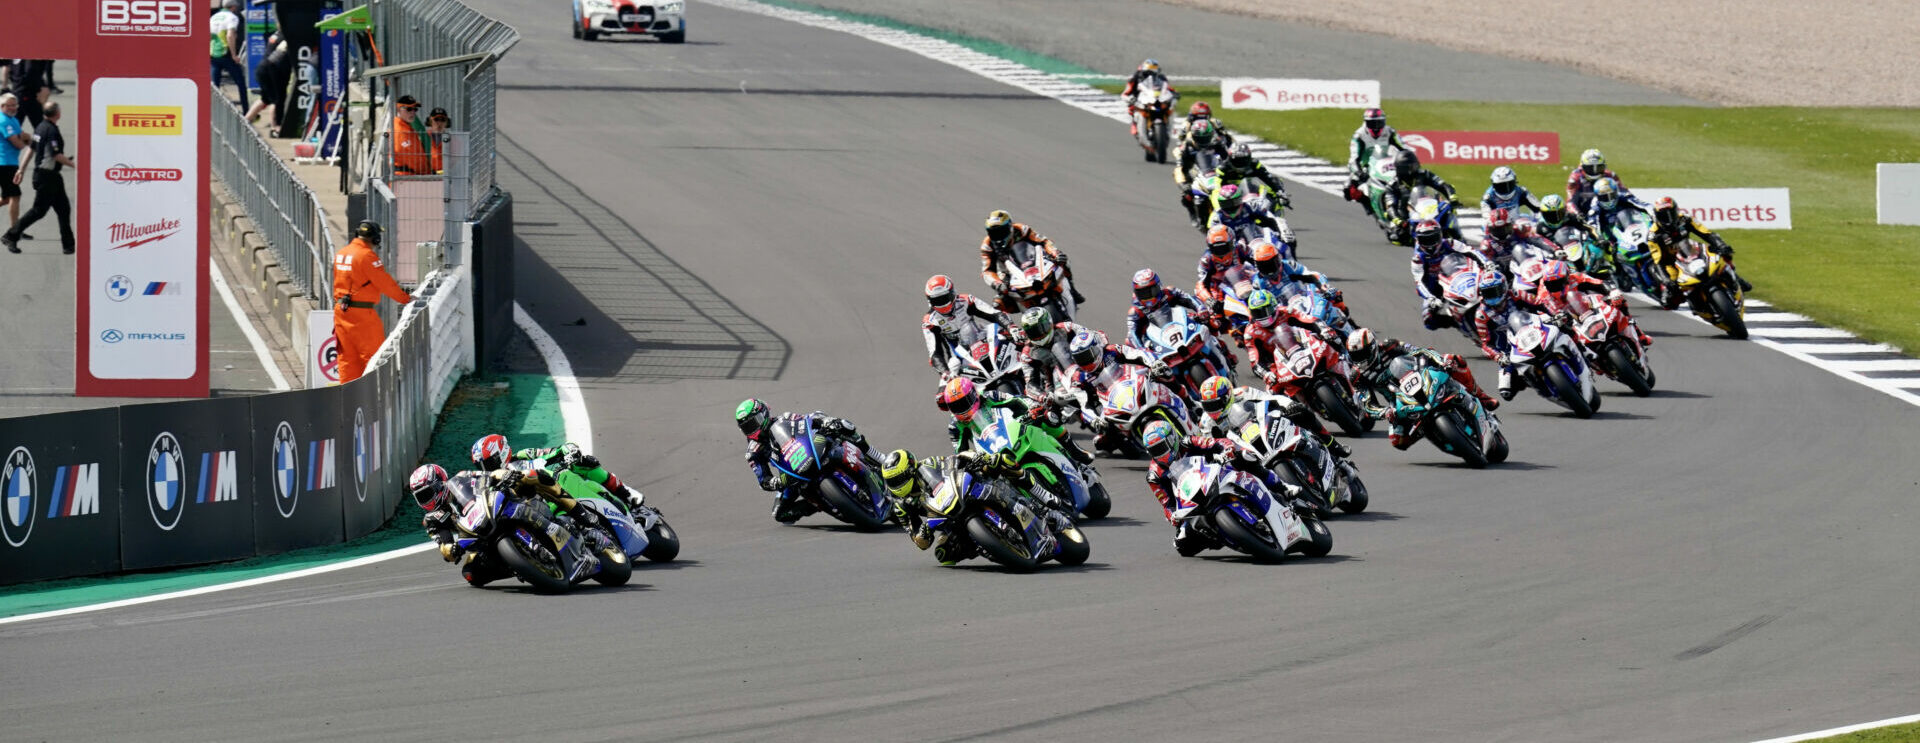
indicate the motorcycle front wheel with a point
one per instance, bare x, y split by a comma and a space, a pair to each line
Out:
1451, 435
1319, 537
615, 569
1627, 371
663, 544
1261, 547
1566, 389
997, 547
1335, 408
1729, 312
1074, 549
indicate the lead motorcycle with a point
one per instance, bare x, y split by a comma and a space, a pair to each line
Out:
549, 552
1235, 510
985, 514
1298, 459
1152, 107
831, 474
1437, 408
1034, 280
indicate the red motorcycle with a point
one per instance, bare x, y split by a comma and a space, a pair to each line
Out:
1312, 371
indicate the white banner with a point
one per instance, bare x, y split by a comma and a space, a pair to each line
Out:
146, 226
323, 350
1897, 193
1729, 208
1275, 94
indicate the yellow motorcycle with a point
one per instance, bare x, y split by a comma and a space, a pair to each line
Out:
1706, 282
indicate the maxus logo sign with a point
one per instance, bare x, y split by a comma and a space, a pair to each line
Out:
143, 18
166, 482
143, 120
116, 335
288, 479
76, 492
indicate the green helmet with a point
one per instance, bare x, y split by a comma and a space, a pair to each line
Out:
1037, 325
752, 416
1203, 132
1553, 207
1261, 304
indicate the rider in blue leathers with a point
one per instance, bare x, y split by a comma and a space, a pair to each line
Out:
755, 421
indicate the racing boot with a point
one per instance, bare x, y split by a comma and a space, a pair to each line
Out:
788, 509
1189, 542
1339, 450
482, 569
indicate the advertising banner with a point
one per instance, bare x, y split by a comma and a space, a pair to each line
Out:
1485, 148
323, 350
359, 434
59, 514
1897, 193
296, 471
333, 85
186, 492
1275, 94
259, 25
1729, 208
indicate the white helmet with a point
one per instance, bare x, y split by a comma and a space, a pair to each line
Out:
1503, 179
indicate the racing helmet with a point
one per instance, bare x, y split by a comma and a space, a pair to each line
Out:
1241, 156
1554, 276
491, 452
1219, 242
1230, 197
1200, 110
752, 416
1406, 164
1360, 346
1553, 208
1203, 132
1426, 235
1375, 119
999, 226
428, 484
1161, 442
1593, 163
1493, 289
1037, 326
940, 294
1151, 65
1216, 393
1503, 181
1262, 305
959, 399
1606, 193
1500, 224
1146, 287
1666, 211
898, 471
1266, 259
1085, 349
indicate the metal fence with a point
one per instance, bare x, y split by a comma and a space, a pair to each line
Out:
416, 31
283, 209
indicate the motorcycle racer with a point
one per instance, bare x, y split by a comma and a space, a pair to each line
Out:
911, 481
1505, 192
961, 400
1581, 182
1149, 69
428, 486
1149, 296
947, 311
1611, 204
1230, 209
1373, 131
1504, 244
1671, 229
1203, 135
1002, 234
1223, 254
1268, 317
569, 456
1241, 166
755, 420
1164, 447
1542, 287
1200, 110
1554, 216
1044, 350
1430, 247
1224, 408
1407, 176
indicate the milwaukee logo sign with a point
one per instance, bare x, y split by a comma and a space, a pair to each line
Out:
126, 175
143, 18
1484, 148
143, 119
125, 235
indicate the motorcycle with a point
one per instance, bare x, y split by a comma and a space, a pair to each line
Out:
1300, 460
1034, 280
1308, 369
641, 528
1430, 205
1708, 286
1187, 347
1633, 265
549, 552
1584, 254
832, 475
986, 515
1196, 196
1235, 510
1152, 107
1443, 412
1377, 188
1047, 467
1313, 302
1601, 333
1551, 363
1130, 404
990, 359
1462, 282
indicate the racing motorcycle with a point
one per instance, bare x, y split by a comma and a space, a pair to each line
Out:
1585, 255
636, 524
1601, 332
1152, 108
1034, 280
1707, 285
550, 552
1551, 363
1311, 370
1313, 302
831, 474
989, 359
1464, 284
1236, 511
1436, 407
1299, 460
1633, 265
1197, 195
1129, 404
1187, 347
1052, 476
983, 514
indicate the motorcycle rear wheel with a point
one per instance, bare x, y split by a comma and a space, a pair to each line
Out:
995, 547
1628, 372
527, 570
1245, 538
1335, 408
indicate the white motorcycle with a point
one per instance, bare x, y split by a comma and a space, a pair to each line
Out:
1551, 363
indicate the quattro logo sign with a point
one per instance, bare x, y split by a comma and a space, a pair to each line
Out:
1485, 148
144, 18
140, 120
128, 175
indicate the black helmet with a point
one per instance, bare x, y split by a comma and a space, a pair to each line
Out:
1037, 325
1241, 156
368, 230
1406, 164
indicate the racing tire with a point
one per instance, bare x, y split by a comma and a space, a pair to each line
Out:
1074, 549
1160, 135
996, 548
1311, 494
1356, 500
1729, 311
589, 35
663, 543
1319, 537
849, 508
615, 568
1628, 372
1336, 409
1498, 453
1099, 503
1568, 392
1449, 432
1244, 538
526, 570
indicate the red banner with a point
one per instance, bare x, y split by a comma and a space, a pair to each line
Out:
1486, 148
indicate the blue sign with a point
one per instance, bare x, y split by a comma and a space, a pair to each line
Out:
258, 26
333, 85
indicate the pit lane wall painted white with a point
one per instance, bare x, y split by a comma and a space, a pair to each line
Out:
1897, 193
1877, 366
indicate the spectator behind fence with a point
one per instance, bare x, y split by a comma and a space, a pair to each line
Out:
16, 140
437, 124
49, 189
412, 155
224, 47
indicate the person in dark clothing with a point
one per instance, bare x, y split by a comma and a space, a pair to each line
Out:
49, 188
27, 81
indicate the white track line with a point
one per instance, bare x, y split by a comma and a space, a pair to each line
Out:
573, 406
1830, 732
246, 325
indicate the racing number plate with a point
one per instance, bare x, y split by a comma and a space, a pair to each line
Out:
636, 18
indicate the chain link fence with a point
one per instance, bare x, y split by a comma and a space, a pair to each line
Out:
416, 31
282, 208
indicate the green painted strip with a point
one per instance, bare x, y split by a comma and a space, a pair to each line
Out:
1032, 59
523, 407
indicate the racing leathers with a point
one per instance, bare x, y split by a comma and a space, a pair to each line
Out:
1401, 192
1360, 154
1389, 360
1243, 410
1133, 86
1137, 314
1093, 382
1038, 413
1505, 253
1511, 201
587, 466
992, 253
1047, 362
1261, 338
1550, 225
1602, 218
1669, 237
1214, 272
1580, 189
1427, 278
942, 330
1541, 299
480, 568
1160, 479
1258, 173
789, 506
910, 510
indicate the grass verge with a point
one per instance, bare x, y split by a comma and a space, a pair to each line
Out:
1836, 264
1908, 733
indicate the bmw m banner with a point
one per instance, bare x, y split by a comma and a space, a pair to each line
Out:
186, 492
59, 514
296, 470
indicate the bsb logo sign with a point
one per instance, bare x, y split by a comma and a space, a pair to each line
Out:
1484, 148
143, 18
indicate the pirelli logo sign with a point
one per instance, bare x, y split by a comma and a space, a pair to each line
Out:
143, 119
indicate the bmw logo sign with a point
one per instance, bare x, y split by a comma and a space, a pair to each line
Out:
119, 288
164, 487
16, 497
362, 455
111, 335
286, 470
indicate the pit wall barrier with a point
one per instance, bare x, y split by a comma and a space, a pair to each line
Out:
156, 485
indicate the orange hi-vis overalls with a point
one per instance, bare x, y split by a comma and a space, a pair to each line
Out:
359, 278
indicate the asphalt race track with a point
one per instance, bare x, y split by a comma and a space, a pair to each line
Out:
753, 213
